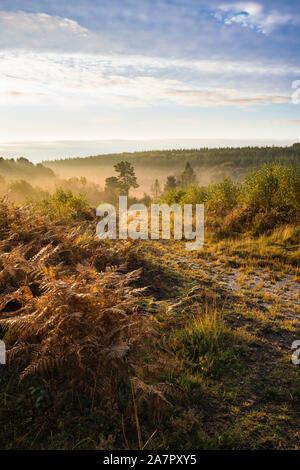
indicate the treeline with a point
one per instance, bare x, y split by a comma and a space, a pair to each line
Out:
23, 168
244, 157
267, 198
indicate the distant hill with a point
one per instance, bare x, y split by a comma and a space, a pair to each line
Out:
24, 169
242, 157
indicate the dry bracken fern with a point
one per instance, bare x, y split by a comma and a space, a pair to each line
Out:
68, 309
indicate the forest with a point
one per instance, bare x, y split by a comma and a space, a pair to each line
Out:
244, 157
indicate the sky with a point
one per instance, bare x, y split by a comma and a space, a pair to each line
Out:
149, 69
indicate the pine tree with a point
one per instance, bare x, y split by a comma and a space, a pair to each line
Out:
170, 183
126, 177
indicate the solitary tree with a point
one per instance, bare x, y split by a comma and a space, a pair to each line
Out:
126, 177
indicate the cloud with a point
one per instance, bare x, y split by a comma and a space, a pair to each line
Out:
181, 29
39, 65
44, 78
13, 93
96, 70
220, 97
38, 31
292, 122
253, 15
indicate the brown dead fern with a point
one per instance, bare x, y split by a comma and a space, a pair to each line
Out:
68, 309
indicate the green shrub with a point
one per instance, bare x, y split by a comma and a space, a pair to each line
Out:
63, 205
273, 187
268, 198
223, 196
195, 195
218, 196
174, 196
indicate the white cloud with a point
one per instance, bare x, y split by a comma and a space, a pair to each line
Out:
48, 78
38, 31
221, 97
253, 15
252, 8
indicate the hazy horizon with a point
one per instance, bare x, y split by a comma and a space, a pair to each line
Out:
39, 151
